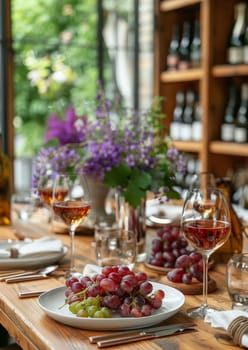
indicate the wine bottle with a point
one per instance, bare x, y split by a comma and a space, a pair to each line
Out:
191, 166
227, 126
234, 244
245, 58
175, 126
188, 116
184, 48
235, 52
5, 212
195, 47
241, 120
197, 123
173, 54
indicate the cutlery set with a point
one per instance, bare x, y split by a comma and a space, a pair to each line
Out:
125, 337
28, 275
102, 341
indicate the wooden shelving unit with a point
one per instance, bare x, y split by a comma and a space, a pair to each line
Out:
211, 80
226, 70
188, 75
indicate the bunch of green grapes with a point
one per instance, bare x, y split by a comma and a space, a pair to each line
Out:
90, 307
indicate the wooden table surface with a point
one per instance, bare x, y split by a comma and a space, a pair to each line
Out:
33, 329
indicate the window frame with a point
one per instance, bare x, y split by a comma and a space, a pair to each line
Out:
6, 86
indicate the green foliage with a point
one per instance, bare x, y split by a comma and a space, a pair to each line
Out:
51, 37
133, 182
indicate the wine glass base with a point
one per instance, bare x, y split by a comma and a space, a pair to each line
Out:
199, 312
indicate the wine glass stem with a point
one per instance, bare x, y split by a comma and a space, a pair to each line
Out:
205, 258
72, 250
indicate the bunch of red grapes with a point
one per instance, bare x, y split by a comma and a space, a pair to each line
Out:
170, 250
115, 289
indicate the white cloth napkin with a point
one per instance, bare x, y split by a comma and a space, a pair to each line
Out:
45, 245
222, 319
91, 270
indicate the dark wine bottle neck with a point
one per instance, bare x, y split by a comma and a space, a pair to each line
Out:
178, 111
236, 41
174, 44
184, 48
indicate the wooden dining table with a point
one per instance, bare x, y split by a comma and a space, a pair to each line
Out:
33, 329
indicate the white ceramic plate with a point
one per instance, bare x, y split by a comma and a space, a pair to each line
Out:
52, 301
23, 262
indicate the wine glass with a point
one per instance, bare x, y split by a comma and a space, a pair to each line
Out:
203, 180
45, 191
71, 203
206, 226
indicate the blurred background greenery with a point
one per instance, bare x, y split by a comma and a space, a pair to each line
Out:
56, 59
55, 63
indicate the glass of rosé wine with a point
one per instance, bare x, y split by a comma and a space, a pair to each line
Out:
206, 226
45, 191
72, 207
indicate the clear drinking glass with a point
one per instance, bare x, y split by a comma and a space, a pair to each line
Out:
206, 226
237, 281
115, 246
71, 203
23, 205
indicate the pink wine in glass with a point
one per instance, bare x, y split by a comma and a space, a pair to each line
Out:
46, 194
206, 234
72, 212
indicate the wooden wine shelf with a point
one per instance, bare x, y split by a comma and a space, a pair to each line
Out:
179, 76
230, 71
209, 81
216, 147
188, 146
177, 4
232, 148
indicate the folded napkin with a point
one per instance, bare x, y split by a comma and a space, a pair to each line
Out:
39, 247
231, 320
91, 270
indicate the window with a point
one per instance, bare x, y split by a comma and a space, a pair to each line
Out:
6, 91
61, 48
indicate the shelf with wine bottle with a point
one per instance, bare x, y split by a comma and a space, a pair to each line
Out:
191, 74
188, 146
168, 5
229, 148
227, 70
210, 79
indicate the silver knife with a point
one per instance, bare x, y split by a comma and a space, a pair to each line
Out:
30, 294
144, 336
96, 338
26, 278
